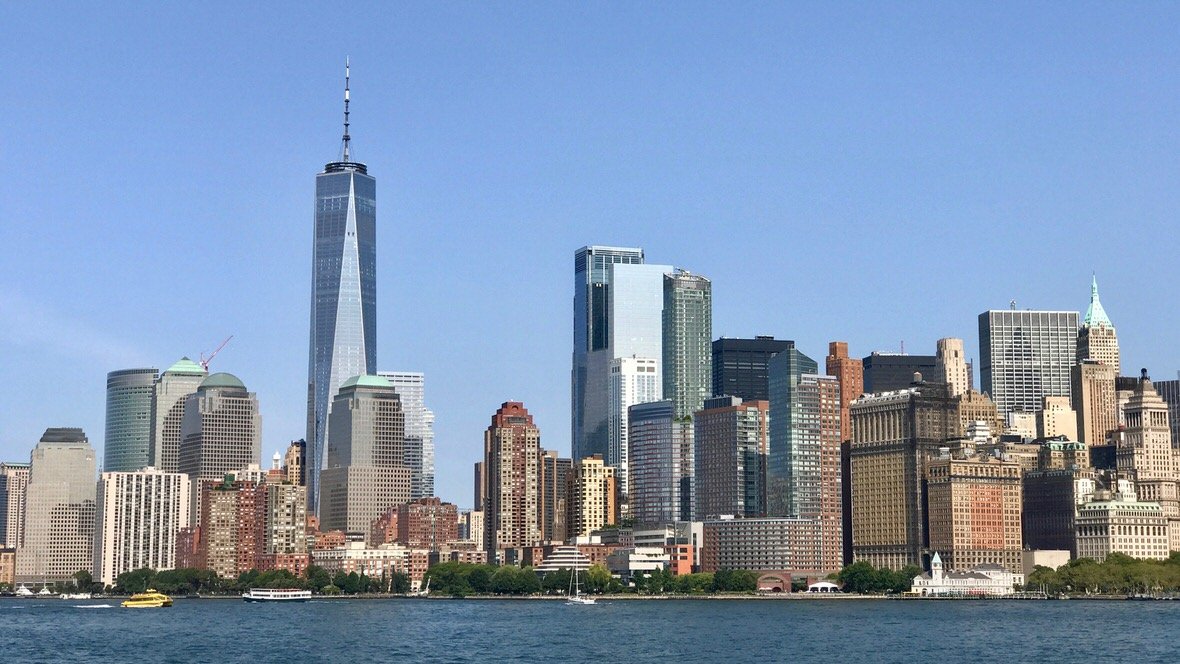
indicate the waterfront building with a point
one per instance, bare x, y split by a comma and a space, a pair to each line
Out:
816, 470
285, 527
14, 482
1057, 418
731, 439
1026, 356
512, 444
594, 502
979, 581
1051, 498
637, 561
559, 558
886, 372
974, 508
740, 366
221, 432
592, 342
343, 337
128, 443
951, 366
411, 389
374, 562
661, 463
893, 435
790, 458
365, 472
681, 540
8, 566
632, 380
553, 485
688, 334
427, 523
1097, 340
1122, 524
59, 509
1094, 401
229, 542
138, 516
764, 545
169, 395
1145, 454
850, 373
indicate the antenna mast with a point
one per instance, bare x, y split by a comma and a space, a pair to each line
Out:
346, 137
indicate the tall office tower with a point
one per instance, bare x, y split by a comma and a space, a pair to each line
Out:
731, 438
366, 472
1145, 455
851, 375
1169, 391
168, 397
950, 366
411, 387
59, 509
593, 505
739, 366
974, 507
512, 445
1056, 418
632, 380
1097, 339
221, 433
14, 482
592, 319
688, 336
295, 463
815, 469
1051, 497
553, 486
343, 335
137, 518
893, 435
1026, 356
661, 464
887, 372
792, 467
128, 443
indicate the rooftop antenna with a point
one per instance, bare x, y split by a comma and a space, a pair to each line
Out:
346, 136
1011, 303
903, 346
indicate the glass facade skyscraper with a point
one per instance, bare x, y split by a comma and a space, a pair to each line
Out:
419, 455
794, 461
127, 446
688, 341
343, 294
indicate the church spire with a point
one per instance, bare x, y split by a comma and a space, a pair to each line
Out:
1095, 314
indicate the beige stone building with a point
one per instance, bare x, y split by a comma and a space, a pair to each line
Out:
974, 507
1122, 524
977, 407
1057, 418
59, 509
1144, 454
593, 501
14, 482
169, 394
365, 473
950, 366
1097, 340
1094, 401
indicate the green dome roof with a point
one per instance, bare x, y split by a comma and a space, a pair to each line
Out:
186, 366
367, 381
222, 381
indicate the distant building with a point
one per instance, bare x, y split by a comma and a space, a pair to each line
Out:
792, 469
1094, 401
816, 474
1122, 524
632, 562
556, 476
1057, 418
740, 366
1097, 340
632, 380
427, 523
951, 366
138, 516
1169, 391
128, 443
7, 566
850, 373
661, 463
763, 545
411, 390
230, 540
374, 562
295, 463
983, 580
1026, 356
365, 472
731, 439
974, 511
887, 372
512, 445
1145, 454
1051, 498
688, 351
59, 509
593, 503
14, 482
171, 391
975, 407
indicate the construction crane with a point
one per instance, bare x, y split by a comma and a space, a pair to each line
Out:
206, 360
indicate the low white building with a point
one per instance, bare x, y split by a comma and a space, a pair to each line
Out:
991, 580
637, 561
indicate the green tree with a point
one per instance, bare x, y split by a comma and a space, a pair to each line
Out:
597, 579
557, 582
317, 577
135, 581
399, 583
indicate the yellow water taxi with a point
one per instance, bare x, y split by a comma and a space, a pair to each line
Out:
149, 599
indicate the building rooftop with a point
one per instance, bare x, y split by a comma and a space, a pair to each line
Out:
222, 381
367, 381
185, 366
1095, 314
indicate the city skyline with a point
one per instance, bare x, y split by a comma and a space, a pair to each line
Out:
209, 257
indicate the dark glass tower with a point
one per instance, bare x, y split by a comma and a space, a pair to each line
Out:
343, 293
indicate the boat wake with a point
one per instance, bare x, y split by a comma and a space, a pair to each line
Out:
94, 606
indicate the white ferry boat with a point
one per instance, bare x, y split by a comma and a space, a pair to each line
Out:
276, 595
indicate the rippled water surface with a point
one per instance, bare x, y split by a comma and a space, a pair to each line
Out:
624, 631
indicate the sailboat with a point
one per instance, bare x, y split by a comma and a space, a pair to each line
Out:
575, 593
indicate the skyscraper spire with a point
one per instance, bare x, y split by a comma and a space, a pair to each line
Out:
346, 136
1095, 314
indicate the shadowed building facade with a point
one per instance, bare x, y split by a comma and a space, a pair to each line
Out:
512, 445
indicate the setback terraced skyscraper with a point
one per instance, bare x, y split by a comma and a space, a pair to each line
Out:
343, 293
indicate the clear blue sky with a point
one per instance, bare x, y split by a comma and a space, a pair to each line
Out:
870, 172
